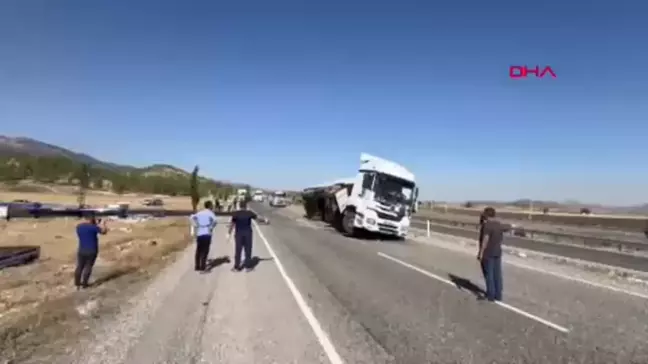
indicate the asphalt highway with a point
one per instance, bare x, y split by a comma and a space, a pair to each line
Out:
319, 297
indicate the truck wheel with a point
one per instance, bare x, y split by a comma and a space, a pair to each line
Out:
347, 223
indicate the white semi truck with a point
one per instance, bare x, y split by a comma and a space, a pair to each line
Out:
278, 199
258, 196
379, 199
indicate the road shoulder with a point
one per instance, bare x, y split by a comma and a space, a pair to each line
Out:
221, 316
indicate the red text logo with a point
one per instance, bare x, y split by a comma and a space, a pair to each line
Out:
524, 71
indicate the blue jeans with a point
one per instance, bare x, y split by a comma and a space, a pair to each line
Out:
493, 275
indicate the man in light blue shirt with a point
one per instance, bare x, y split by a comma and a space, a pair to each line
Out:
202, 225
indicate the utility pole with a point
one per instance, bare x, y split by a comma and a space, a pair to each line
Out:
530, 209
84, 183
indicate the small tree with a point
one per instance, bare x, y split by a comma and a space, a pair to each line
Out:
119, 187
98, 183
83, 176
194, 189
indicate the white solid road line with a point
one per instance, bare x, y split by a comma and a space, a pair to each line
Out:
322, 337
558, 275
501, 304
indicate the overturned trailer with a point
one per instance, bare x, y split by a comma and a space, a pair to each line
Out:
379, 199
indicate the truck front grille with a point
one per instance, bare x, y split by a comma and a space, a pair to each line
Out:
388, 229
384, 216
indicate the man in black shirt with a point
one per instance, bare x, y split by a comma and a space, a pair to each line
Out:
242, 222
490, 253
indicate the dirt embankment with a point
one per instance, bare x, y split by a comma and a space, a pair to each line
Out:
41, 313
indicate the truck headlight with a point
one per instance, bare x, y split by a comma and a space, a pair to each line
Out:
371, 221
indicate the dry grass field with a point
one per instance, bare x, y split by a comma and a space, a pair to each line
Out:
66, 196
39, 307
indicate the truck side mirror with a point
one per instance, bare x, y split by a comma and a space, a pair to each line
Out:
415, 204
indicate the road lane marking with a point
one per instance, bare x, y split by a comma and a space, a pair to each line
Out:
499, 303
580, 280
558, 275
322, 337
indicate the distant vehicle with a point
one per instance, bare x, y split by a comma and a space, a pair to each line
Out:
153, 202
4, 211
258, 196
278, 199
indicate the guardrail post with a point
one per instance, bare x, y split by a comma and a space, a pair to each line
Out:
428, 228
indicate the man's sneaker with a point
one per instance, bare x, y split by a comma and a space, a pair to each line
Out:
236, 269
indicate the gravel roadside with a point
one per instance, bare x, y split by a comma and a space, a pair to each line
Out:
219, 317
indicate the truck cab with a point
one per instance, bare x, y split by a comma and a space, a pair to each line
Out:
258, 196
381, 199
278, 199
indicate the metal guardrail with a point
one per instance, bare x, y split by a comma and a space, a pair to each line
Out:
631, 223
546, 236
607, 257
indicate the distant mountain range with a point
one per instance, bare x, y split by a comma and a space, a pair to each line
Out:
22, 146
36, 148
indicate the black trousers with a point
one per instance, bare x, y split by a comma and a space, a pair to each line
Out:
243, 242
203, 242
85, 263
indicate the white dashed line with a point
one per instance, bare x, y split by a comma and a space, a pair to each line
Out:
501, 304
322, 337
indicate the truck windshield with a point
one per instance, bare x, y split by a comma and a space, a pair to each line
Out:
393, 189
280, 194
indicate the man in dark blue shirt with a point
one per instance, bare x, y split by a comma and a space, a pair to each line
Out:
88, 234
490, 253
242, 222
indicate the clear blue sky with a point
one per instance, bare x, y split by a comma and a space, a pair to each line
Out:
282, 94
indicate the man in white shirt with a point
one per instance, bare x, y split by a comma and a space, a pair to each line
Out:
202, 225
